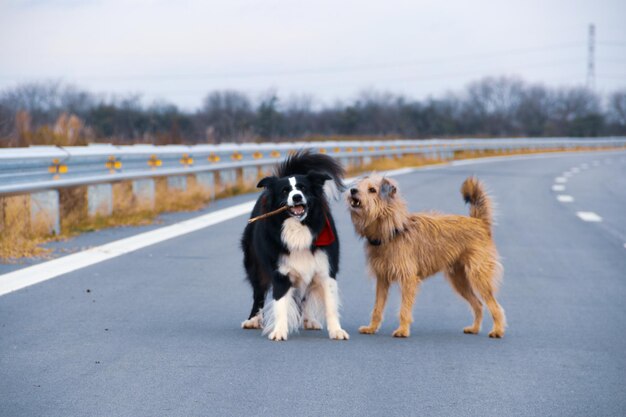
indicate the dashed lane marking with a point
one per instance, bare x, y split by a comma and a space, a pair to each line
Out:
565, 198
589, 216
558, 187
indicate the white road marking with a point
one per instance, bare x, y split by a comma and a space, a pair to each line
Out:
589, 216
567, 174
31, 275
44, 271
400, 171
565, 198
560, 180
558, 187
575, 170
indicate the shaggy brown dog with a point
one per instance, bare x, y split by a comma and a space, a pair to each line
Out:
406, 248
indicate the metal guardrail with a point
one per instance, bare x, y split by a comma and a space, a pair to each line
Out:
42, 171
38, 168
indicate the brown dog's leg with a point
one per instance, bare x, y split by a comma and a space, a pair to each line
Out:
382, 289
499, 320
408, 287
484, 284
462, 286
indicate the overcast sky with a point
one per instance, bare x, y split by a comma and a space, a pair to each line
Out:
179, 50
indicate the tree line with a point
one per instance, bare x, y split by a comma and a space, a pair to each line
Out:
62, 114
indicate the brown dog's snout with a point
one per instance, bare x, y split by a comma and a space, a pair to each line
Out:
353, 191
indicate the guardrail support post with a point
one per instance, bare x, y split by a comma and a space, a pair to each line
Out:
100, 199
207, 180
178, 182
227, 179
44, 206
240, 176
250, 175
144, 191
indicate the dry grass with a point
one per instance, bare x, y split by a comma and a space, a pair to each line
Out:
170, 199
389, 163
21, 236
127, 211
237, 189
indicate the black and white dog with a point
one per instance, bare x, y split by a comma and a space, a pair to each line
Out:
296, 252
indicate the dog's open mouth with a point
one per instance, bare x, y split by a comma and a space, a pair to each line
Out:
355, 202
298, 211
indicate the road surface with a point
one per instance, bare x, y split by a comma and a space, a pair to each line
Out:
156, 332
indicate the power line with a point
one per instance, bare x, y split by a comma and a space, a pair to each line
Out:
331, 70
612, 43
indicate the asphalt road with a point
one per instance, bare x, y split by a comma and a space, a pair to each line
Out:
156, 332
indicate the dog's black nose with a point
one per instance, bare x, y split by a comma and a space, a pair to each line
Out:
353, 191
297, 198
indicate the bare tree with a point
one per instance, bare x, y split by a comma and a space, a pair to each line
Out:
228, 113
616, 112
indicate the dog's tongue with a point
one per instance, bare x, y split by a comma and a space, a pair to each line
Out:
297, 210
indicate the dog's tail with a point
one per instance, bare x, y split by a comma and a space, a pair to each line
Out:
303, 161
474, 193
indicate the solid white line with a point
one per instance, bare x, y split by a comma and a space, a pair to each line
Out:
35, 274
560, 180
589, 216
400, 171
558, 187
565, 198
31, 275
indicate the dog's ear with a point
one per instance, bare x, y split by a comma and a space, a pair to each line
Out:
387, 189
318, 178
266, 182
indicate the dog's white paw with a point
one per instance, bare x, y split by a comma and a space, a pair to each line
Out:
338, 334
255, 322
278, 335
312, 324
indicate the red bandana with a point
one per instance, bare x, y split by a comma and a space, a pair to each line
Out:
326, 237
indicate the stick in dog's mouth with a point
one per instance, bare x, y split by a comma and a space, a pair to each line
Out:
298, 211
269, 214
